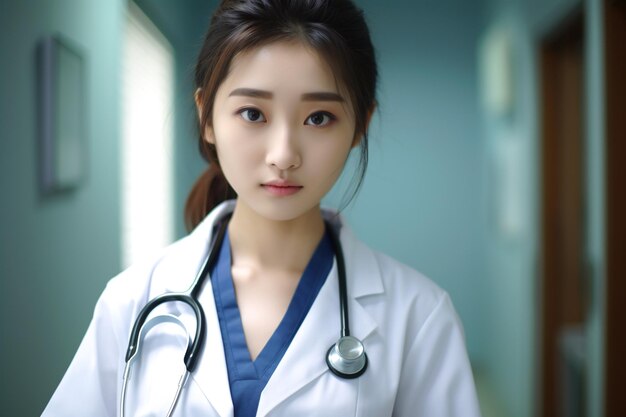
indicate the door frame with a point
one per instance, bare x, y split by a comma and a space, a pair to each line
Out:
614, 23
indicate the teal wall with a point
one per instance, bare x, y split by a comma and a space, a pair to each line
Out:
429, 168
422, 201
427, 199
424, 168
423, 198
513, 262
56, 253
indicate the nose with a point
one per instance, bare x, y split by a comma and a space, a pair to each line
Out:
283, 151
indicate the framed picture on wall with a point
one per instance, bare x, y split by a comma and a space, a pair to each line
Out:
62, 114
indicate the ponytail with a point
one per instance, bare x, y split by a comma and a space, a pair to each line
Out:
210, 189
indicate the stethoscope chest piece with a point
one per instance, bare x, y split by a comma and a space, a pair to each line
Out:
347, 358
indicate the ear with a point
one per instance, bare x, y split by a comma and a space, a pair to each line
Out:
358, 136
208, 136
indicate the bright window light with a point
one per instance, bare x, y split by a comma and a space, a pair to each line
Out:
147, 138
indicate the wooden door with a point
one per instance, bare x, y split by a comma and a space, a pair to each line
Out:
562, 280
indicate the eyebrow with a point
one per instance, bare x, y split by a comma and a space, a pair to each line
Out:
322, 96
315, 96
251, 92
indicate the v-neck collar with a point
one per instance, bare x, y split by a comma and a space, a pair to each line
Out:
240, 364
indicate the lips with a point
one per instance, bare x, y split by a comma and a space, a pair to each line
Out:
281, 188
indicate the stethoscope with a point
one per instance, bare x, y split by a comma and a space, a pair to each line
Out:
346, 358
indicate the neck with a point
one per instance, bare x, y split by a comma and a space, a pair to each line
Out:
283, 244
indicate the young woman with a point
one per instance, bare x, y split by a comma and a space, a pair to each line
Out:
294, 316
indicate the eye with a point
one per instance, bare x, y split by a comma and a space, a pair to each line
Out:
320, 118
252, 115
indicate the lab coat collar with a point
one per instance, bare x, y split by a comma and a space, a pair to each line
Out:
305, 359
364, 277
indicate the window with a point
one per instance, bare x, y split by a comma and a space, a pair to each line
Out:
147, 138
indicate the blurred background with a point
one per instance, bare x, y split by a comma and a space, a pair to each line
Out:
495, 169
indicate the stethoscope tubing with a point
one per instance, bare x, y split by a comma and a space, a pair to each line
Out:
341, 363
343, 291
189, 297
192, 353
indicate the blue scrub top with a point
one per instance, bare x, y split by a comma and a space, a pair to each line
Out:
247, 378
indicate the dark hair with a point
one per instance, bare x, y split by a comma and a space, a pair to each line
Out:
335, 29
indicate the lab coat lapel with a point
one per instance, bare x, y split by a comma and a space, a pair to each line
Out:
305, 359
211, 374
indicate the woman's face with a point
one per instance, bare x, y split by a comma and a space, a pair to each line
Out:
282, 129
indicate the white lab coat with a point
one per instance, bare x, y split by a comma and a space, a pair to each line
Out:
418, 365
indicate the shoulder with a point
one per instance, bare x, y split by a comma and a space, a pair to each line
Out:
403, 279
172, 268
407, 299
385, 274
